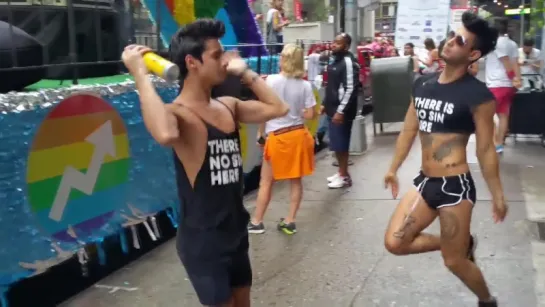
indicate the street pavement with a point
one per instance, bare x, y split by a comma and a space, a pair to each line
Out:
337, 257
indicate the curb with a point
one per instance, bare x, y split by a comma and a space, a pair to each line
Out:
537, 229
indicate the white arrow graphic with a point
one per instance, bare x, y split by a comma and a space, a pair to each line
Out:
103, 139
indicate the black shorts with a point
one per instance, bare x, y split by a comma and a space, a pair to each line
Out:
446, 191
215, 279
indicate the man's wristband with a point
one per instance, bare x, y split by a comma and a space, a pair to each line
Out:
511, 75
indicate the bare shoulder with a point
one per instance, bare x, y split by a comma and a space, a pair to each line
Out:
229, 101
186, 119
180, 112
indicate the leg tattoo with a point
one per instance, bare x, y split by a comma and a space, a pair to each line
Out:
409, 220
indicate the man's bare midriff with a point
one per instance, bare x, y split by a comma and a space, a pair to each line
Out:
444, 154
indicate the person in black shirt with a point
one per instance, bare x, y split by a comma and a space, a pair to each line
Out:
340, 104
446, 108
212, 240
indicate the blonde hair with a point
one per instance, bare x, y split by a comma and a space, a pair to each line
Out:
292, 63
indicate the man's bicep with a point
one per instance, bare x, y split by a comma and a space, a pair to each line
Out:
411, 120
252, 111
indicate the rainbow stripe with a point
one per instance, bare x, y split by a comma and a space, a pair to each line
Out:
59, 143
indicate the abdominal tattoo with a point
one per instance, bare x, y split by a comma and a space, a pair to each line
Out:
445, 149
408, 221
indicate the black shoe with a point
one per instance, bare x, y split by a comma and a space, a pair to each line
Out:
288, 229
492, 303
320, 137
471, 248
256, 229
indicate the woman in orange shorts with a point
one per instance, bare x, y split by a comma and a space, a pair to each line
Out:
288, 152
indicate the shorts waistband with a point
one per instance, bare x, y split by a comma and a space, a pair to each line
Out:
288, 129
429, 178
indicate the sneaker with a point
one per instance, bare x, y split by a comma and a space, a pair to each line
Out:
332, 178
288, 229
471, 248
492, 303
256, 229
340, 182
499, 149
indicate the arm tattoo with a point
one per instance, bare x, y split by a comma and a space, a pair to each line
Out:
405, 227
450, 226
445, 149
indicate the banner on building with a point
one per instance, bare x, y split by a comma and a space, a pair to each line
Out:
297, 9
459, 4
421, 19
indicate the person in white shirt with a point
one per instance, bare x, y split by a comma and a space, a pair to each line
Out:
502, 78
530, 58
531, 63
288, 152
275, 24
314, 67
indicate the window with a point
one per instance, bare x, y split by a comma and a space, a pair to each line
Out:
385, 10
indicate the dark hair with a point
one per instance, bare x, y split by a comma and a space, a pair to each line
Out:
429, 43
191, 40
451, 34
486, 36
410, 45
501, 24
441, 46
346, 38
528, 42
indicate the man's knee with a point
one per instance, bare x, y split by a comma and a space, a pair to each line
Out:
455, 263
395, 245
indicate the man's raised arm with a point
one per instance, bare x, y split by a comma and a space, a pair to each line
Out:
160, 122
269, 106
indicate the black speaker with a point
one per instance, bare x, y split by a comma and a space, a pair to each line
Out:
28, 52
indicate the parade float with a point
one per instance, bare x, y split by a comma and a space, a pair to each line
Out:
85, 188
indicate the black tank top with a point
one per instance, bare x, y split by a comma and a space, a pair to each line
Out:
213, 219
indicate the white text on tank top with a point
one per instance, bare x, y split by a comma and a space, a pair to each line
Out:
225, 162
430, 111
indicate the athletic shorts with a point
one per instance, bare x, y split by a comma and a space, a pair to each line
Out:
504, 98
339, 135
439, 192
215, 279
290, 152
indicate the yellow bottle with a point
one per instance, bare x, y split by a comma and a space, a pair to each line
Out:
161, 67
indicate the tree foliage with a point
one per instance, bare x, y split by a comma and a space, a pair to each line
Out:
536, 18
316, 10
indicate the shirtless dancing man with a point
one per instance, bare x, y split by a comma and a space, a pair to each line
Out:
212, 240
447, 108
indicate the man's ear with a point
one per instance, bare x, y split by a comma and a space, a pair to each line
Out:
190, 62
475, 55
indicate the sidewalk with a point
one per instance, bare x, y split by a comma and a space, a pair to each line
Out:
338, 259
